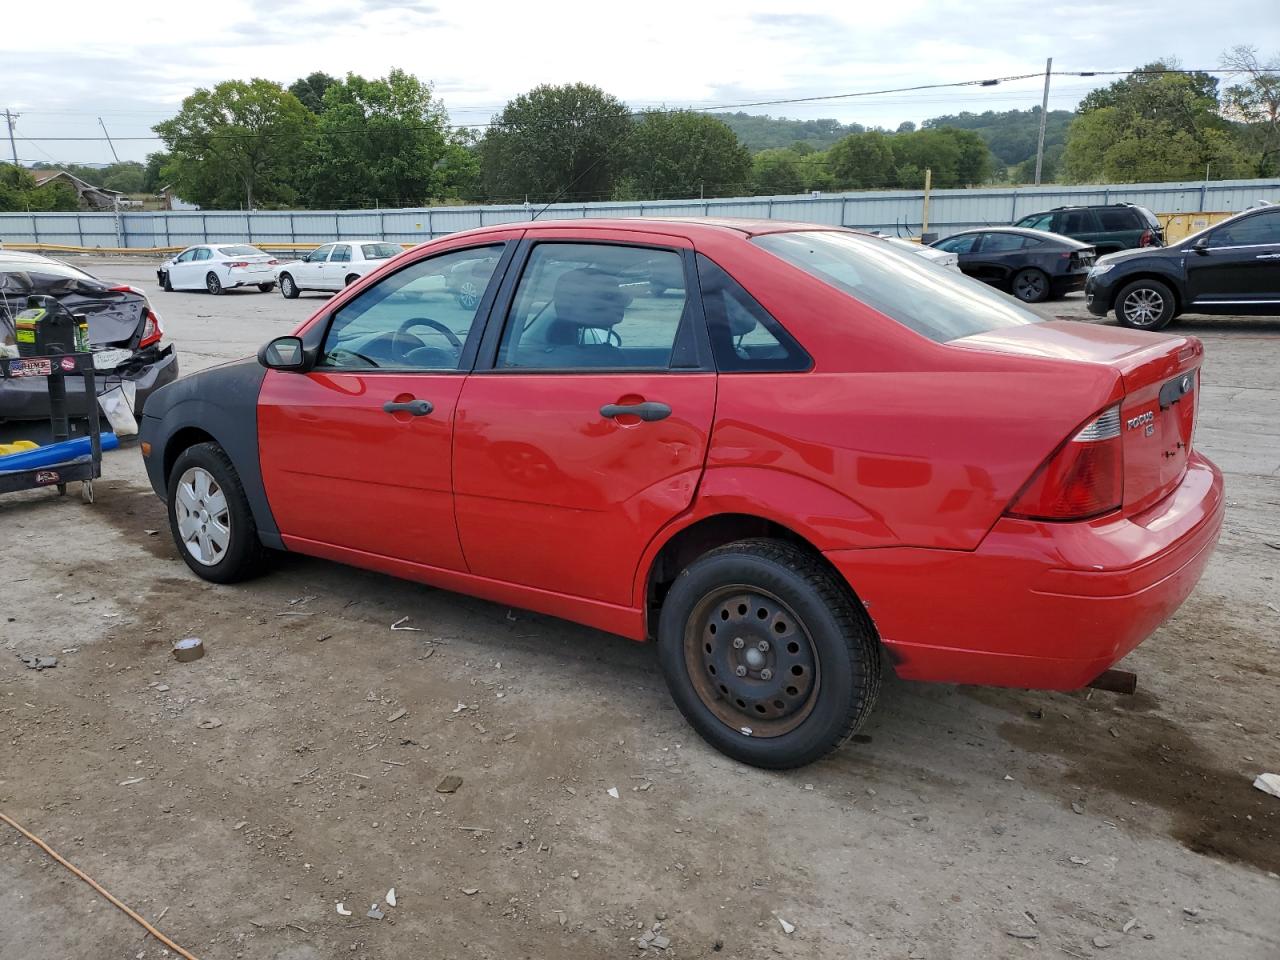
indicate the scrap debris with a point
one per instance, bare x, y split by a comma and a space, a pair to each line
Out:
1268, 783
449, 784
402, 712
39, 663
397, 625
342, 910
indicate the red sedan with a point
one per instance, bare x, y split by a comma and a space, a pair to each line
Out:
788, 453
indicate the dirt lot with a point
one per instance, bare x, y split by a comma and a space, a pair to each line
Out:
243, 795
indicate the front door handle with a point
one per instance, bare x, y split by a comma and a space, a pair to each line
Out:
416, 408
649, 410
1267, 256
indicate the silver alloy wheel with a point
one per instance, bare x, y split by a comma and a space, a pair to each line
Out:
286, 285
204, 519
468, 294
1143, 307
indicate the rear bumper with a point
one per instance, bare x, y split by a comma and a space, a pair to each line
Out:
1040, 605
1068, 283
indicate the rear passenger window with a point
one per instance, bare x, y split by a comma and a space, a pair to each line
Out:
1117, 219
1002, 242
744, 337
596, 306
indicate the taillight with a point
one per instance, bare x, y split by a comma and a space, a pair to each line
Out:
152, 331
1146, 238
238, 263
272, 263
1083, 478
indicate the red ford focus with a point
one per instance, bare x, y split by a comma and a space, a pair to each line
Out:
790, 454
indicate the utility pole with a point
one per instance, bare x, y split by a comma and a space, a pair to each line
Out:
117, 156
1044, 115
10, 117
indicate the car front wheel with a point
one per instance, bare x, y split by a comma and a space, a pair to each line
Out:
1145, 305
288, 289
210, 518
213, 284
165, 283
767, 653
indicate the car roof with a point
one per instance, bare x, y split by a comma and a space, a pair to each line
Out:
1024, 232
691, 227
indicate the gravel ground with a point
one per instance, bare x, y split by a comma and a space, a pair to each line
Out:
243, 795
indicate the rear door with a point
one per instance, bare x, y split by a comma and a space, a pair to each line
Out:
995, 258
1240, 266
1083, 226
337, 267
357, 454
588, 430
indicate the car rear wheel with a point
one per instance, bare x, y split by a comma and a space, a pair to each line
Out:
210, 518
213, 284
266, 287
767, 653
288, 289
1031, 285
351, 278
1145, 305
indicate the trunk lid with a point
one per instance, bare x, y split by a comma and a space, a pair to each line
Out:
1160, 379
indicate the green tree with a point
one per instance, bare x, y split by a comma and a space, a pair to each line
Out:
684, 153
862, 161
385, 140
126, 177
153, 177
310, 90
18, 192
1152, 125
1254, 102
957, 158
556, 139
238, 144
776, 172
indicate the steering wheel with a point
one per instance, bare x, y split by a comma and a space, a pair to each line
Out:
435, 325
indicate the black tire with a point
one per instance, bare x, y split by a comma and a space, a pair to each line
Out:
244, 555
213, 284
288, 289
266, 287
830, 686
1145, 305
1030, 285
164, 282
351, 279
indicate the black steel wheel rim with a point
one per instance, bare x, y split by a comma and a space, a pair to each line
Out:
751, 660
1030, 286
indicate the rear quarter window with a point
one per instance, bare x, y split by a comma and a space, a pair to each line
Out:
933, 301
1118, 219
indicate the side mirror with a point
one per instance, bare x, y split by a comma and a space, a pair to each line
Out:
1201, 245
284, 353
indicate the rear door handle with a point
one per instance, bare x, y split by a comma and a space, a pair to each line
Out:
649, 410
416, 408
1267, 256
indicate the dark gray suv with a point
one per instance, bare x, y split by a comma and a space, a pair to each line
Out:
1116, 226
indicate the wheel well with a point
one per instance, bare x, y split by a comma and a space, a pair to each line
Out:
1159, 278
352, 276
181, 440
705, 535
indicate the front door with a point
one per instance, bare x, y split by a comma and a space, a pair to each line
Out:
309, 271
588, 431
357, 452
1240, 264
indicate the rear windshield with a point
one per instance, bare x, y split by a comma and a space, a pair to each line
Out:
938, 303
380, 251
241, 251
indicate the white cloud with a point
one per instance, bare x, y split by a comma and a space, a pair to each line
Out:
134, 66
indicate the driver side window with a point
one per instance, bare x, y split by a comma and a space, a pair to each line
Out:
416, 319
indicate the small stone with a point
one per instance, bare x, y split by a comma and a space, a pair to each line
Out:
1114, 732
449, 784
470, 891
1077, 807
613, 792
661, 942
573, 874
162, 688
374, 913
1129, 924
1080, 861
209, 723
1023, 934
1191, 911
787, 928
402, 712
1101, 943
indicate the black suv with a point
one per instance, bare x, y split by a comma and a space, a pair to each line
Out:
1117, 226
1231, 267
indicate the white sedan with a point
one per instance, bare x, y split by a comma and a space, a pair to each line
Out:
218, 267
334, 265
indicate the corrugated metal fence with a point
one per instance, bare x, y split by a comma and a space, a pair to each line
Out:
896, 212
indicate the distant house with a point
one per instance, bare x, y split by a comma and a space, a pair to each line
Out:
91, 197
174, 202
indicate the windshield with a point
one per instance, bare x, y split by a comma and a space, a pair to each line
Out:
243, 250
380, 251
938, 303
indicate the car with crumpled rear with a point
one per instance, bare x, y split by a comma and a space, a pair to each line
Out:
125, 334
790, 455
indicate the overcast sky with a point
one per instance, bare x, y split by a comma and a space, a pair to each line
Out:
131, 63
